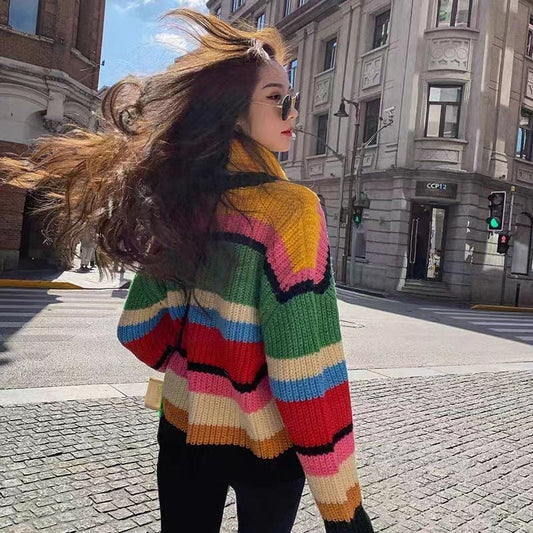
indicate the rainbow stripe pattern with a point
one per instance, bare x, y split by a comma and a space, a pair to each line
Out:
264, 366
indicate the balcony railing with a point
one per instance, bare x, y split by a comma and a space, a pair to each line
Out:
524, 145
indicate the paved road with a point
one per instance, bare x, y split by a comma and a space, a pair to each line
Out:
57, 337
63, 337
439, 454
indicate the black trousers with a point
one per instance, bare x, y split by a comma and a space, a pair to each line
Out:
193, 489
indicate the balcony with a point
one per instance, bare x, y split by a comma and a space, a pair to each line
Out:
311, 11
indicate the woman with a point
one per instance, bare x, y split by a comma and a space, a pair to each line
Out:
234, 297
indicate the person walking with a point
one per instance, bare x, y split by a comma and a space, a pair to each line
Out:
87, 249
234, 297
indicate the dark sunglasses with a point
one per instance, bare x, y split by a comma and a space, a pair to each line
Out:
285, 105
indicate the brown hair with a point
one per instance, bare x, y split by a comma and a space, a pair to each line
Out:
149, 184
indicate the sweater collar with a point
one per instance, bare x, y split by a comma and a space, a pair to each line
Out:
240, 161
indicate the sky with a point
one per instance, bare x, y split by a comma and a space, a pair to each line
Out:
135, 41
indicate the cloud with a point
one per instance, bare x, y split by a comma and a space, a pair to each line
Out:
133, 4
173, 41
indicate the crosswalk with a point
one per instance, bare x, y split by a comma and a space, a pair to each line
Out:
518, 326
29, 316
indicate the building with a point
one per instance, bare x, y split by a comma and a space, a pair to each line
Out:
459, 75
49, 68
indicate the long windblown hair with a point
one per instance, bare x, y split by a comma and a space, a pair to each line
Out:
149, 183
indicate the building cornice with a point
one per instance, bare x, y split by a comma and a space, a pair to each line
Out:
312, 11
34, 76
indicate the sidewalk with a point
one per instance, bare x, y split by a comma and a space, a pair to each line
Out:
435, 454
67, 279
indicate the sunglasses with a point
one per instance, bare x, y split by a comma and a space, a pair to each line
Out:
285, 105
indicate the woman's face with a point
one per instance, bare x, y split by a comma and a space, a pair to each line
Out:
264, 123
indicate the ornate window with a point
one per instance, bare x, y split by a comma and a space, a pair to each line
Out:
260, 21
371, 124
23, 15
524, 144
381, 29
291, 72
454, 13
330, 53
529, 51
236, 4
288, 6
321, 133
444, 107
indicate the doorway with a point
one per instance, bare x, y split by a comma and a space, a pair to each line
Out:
426, 242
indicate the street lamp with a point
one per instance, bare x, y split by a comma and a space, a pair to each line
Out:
360, 200
342, 159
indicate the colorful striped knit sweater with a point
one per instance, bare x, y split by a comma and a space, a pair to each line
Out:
264, 366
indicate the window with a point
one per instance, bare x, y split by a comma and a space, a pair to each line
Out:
371, 119
283, 156
529, 50
444, 105
381, 29
218, 12
291, 72
301, 2
236, 4
454, 13
260, 21
23, 15
287, 10
524, 145
322, 134
331, 54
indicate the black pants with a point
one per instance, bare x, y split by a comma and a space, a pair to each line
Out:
192, 493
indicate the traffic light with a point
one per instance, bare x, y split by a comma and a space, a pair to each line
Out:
497, 210
357, 214
503, 243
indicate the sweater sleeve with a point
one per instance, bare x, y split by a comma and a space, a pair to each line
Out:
149, 326
306, 364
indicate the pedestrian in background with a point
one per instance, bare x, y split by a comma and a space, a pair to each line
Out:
234, 297
87, 249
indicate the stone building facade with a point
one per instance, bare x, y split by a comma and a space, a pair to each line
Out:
459, 75
49, 67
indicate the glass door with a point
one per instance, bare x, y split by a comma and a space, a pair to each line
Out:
426, 242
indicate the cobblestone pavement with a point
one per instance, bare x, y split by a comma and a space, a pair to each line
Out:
437, 454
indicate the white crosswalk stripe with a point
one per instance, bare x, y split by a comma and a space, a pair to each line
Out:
34, 316
513, 325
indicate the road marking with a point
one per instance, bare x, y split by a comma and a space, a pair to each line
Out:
526, 338
503, 323
504, 330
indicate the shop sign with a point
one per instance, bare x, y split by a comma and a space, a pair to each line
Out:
436, 189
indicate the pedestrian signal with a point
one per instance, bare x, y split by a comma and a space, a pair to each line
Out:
357, 215
496, 210
503, 243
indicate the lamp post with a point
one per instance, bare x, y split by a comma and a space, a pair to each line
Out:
358, 200
342, 159
341, 113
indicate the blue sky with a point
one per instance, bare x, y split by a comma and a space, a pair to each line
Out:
135, 41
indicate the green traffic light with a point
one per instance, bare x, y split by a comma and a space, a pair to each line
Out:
357, 219
494, 223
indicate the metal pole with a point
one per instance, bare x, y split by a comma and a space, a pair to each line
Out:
342, 159
349, 223
509, 226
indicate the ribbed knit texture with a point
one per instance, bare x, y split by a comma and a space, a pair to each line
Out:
263, 366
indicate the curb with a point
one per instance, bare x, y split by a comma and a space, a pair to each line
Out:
37, 284
480, 307
368, 292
